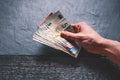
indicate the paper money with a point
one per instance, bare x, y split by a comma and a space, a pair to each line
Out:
46, 42
48, 33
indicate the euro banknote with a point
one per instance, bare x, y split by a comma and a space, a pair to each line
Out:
49, 30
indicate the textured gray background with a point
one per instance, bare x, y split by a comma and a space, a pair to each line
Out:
18, 22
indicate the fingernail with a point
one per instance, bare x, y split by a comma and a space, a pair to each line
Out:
63, 32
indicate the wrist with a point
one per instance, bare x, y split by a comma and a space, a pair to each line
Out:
111, 50
109, 47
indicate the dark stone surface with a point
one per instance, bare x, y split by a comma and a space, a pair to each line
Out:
57, 68
18, 22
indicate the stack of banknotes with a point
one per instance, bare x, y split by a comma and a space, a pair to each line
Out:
49, 30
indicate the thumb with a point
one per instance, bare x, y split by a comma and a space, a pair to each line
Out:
69, 35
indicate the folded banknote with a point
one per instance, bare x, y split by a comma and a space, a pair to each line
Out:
48, 33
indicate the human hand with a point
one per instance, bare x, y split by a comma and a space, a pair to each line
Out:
93, 42
85, 36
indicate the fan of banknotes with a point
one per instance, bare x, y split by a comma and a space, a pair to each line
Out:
48, 33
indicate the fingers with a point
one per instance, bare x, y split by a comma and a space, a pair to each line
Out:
78, 36
69, 35
74, 36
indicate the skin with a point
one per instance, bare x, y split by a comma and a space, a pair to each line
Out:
93, 42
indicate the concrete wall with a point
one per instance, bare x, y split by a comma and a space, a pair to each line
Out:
19, 20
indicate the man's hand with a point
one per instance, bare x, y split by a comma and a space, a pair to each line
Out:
93, 42
86, 36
